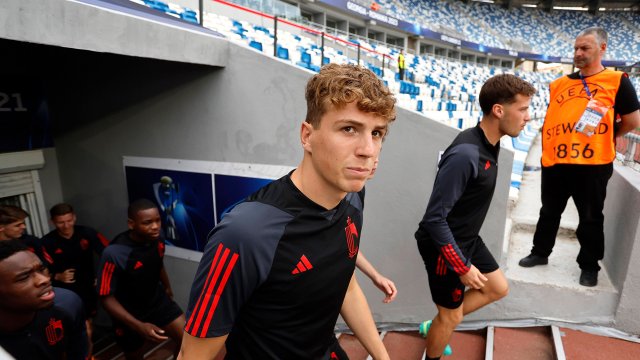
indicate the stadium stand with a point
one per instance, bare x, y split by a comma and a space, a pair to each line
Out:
440, 88
522, 29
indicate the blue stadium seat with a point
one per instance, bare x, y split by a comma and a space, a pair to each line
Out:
282, 53
256, 45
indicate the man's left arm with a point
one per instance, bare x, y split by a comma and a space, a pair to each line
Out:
74, 325
356, 313
98, 241
384, 284
629, 122
627, 105
164, 279
78, 340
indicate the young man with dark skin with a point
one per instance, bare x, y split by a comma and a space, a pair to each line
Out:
448, 236
36, 320
134, 287
279, 268
71, 249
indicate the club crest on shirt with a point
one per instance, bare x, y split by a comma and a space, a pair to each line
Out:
161, 248
456, 295
54, 331
84, 244
351, 233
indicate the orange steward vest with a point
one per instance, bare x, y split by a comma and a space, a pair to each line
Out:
561, 144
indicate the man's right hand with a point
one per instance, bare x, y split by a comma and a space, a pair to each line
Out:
473, 278
68, 276
151, 332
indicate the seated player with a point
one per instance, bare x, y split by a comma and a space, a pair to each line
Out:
133, 285
37, 321
71, 248
13, 225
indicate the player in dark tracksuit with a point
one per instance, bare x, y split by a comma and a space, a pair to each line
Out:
13, 226
448, 238
37, 321
279, 267
292, 259
467, 178
71, 249
133, 284
76, 253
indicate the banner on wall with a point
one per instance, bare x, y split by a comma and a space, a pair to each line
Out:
193, 196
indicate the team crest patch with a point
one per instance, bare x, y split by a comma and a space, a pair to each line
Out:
161, 249
55, 331
84, 244
456, 295
351, 233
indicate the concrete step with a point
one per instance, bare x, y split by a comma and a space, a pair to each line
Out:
564, 298
491, 343
409, 345
527, 208
584, 346
533, 343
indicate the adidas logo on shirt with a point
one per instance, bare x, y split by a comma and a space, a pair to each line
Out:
303, 265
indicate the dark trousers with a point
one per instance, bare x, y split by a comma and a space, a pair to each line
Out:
401, 73
587, 185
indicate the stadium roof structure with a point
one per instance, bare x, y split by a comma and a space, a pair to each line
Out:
592, 6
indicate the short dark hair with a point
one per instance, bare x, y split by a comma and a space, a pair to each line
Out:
60, 209
139, 205
10, 214
10, 247
599, 33
502, 89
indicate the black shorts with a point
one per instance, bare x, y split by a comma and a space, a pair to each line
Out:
336, 352
446, 288
90, 302
86, 292
161, 315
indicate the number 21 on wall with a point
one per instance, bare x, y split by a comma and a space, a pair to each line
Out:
7, 105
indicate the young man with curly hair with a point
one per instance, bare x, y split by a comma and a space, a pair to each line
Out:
279, 268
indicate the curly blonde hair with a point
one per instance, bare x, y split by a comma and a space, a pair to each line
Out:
338, 85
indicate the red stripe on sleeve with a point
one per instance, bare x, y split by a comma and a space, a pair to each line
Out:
112, 269
455, 260
209, 291
447, 254
306, 262
439, 266
204, 287
107, 272
102, 277
219, 291
103, 240
46, 256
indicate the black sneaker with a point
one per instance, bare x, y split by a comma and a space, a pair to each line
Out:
533, 260
589, 278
